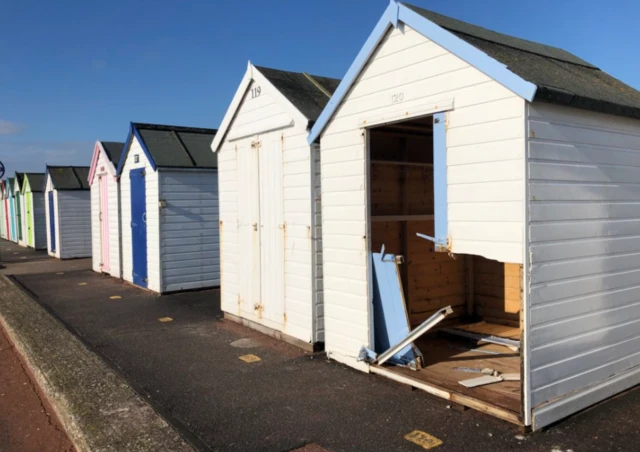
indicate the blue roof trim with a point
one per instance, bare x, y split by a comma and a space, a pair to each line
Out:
127, 146
396, 13
387, 19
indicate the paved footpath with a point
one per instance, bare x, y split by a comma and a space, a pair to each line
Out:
179, 355
27, 421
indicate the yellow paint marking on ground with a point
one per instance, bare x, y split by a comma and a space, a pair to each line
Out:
423, 439
249, 358
165, 319
115, 297
60, 273
82, 284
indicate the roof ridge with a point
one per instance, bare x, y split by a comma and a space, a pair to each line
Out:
168, 128
175, 135
317, 84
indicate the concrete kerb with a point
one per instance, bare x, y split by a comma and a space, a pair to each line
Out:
99, 410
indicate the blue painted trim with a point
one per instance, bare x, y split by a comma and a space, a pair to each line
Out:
127, 146
397, 12
358, 64
440, 181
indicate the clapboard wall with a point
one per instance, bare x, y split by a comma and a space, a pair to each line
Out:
584, 223
485, 147
190, 247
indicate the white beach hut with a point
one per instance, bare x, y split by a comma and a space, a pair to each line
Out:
169, 208
105, 208
521, 163
68, 211
270, 217
20, 217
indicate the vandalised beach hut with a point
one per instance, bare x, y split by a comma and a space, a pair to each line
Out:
169, 208
34, 215
105, 208
270, 217
518, 163
68, 211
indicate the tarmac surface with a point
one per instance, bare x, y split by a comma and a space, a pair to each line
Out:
184, 359
27, 421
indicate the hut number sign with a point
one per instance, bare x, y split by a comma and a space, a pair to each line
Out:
255, 92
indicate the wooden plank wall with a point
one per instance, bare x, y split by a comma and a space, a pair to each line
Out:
497, 289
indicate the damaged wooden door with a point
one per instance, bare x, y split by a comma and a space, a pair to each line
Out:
272, 231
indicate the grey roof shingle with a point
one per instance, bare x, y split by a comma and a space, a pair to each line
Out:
69, 177
178, 147
19, 178
302, 89
561, 77
36, 181
113, 149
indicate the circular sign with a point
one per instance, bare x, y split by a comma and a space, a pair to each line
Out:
1, 170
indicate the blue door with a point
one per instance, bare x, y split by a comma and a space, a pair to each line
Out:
52, 223
139, 227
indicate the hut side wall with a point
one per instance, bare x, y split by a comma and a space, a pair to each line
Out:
189, 227
584, 218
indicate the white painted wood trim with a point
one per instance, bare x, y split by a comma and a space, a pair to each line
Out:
407, 114
249, 130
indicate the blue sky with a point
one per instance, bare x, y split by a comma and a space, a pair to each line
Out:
72, 72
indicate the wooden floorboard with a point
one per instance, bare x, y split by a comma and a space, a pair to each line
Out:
442, 355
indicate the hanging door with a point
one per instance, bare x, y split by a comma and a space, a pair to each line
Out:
52, 224
272, 231
139, 227
28, 199
104, 224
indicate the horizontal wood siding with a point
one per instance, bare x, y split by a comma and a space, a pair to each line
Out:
153, 223
318, 286
74, 220
96, 247
584, 213
254, 116
189, 230
485, 153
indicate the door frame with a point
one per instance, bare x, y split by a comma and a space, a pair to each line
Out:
103, 217
52, 223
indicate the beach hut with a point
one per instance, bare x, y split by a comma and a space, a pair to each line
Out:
169, 208
3, 212
19, 209
12, 209
68, 211
518, 163
34, 212
270, 218
105, 208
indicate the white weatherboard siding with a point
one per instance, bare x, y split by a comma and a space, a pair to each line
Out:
239, 210
485, 147
189, 227
316, 199
114, 218
74, 218
153, 223
48, 188
584, 229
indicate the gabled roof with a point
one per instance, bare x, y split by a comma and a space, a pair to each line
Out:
17, 184
307, 94
69, 177
36, 181
530, 70
9, 186
172, 146
112, 150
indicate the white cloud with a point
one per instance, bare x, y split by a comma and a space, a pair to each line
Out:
8, 128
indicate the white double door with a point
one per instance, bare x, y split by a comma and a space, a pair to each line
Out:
261, 230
